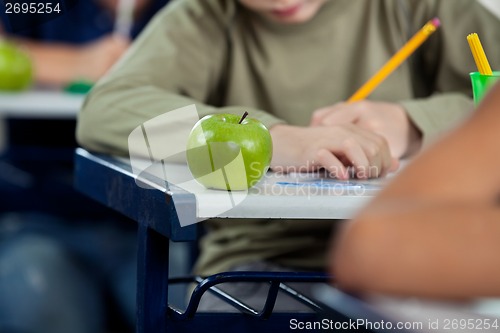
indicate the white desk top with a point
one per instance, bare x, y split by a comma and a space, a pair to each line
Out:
292, 196
40, 104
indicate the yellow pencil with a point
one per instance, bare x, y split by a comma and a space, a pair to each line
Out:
396, 60
482, 63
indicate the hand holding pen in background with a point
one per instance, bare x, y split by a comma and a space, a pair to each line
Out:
386, 119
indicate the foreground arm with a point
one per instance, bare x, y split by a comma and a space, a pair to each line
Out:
434, 231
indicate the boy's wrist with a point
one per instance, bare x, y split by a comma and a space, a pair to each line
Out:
414, 139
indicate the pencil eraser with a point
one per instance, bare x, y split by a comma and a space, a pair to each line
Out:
436, 22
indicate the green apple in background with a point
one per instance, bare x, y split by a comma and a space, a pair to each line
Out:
16, 70
229, 152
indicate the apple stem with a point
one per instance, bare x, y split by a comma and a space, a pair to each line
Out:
243, 117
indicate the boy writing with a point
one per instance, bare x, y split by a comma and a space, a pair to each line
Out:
289, 64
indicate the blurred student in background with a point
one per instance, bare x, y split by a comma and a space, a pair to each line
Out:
66, 263
435, 230
82, 43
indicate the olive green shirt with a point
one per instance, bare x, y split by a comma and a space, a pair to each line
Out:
225, 58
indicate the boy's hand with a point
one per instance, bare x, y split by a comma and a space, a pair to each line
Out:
334, 148
386, 119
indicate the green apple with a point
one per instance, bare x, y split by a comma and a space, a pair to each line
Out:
16, 70
229, 152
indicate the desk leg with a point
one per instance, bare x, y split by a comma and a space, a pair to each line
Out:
152, 281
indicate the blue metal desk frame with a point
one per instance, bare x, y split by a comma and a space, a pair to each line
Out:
111, 182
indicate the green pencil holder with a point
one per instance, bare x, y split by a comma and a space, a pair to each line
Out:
482, 83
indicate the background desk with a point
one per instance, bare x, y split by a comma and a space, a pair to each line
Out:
111, 181
40, 105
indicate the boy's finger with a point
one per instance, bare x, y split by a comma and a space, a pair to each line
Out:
394, 165
318, 116
332, 164
341, 115
357, 157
